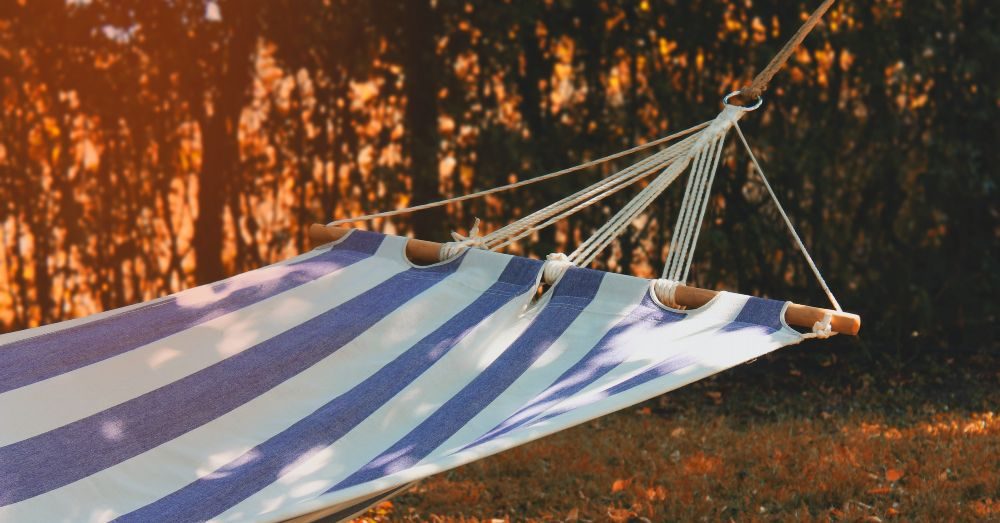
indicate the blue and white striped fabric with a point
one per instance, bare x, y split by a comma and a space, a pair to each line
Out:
335, 378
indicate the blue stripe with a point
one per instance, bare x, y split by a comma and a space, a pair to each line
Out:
264, 464
570, 296
607, 354
758, 312
41, 357
74, 451
667, 366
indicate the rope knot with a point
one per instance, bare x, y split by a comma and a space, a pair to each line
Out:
556, 264
666, 291
474, 239
823, 329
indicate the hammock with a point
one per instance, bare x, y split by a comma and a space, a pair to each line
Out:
340, 373
317, 386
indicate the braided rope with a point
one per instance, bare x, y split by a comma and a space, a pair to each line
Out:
522, 183
788, 222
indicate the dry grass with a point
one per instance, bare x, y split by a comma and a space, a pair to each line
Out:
797, 437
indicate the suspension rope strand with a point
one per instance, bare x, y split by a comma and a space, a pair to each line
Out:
582, 204
586, 252
689, 209
675, 235
625, 176
788, 222
522, 183
704, 205
686, 227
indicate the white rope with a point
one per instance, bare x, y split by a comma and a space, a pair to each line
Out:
708, 138
788, 222
461, 243
582, 198
573, 204
822, 329
666, 291
669, 268
587, 196
694, 203
683, 229
522, 183
556, 264
589, 250
696, 224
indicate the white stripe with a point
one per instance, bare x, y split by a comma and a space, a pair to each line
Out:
717, 350
391, 421
136, 372
656, 343
616, 297
130, 485
11, 337
466, 361
727, 350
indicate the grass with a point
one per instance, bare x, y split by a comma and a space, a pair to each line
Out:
800, 435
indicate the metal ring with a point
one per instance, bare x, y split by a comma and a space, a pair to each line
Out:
725, 100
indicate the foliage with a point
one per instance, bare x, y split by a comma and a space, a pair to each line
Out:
149, 146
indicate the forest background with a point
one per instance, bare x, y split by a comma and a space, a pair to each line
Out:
150, 146
146, 147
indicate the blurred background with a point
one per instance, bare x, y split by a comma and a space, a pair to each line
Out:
149, 146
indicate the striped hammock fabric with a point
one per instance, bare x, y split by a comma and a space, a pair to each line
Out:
334, 379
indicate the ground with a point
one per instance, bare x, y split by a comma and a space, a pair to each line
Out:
809, 433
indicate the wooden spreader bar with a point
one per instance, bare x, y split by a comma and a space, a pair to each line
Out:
425, 252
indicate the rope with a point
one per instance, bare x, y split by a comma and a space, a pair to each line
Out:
763, 78
695, 203
587, 251
666, 291
788, 221
586, 197
669, 267
754, 90
822, 329
522, 183
702, 151
697, 156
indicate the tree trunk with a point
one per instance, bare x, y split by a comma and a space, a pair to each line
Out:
420, 85
220, 143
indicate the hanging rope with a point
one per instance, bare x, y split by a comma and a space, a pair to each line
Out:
788, 221
701, 151
763, 78
692, 213
573, 203
587, 196
753, 91
522, 183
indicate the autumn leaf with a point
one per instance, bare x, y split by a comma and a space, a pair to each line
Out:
620, 485
619, 514
880, 490
893, 474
